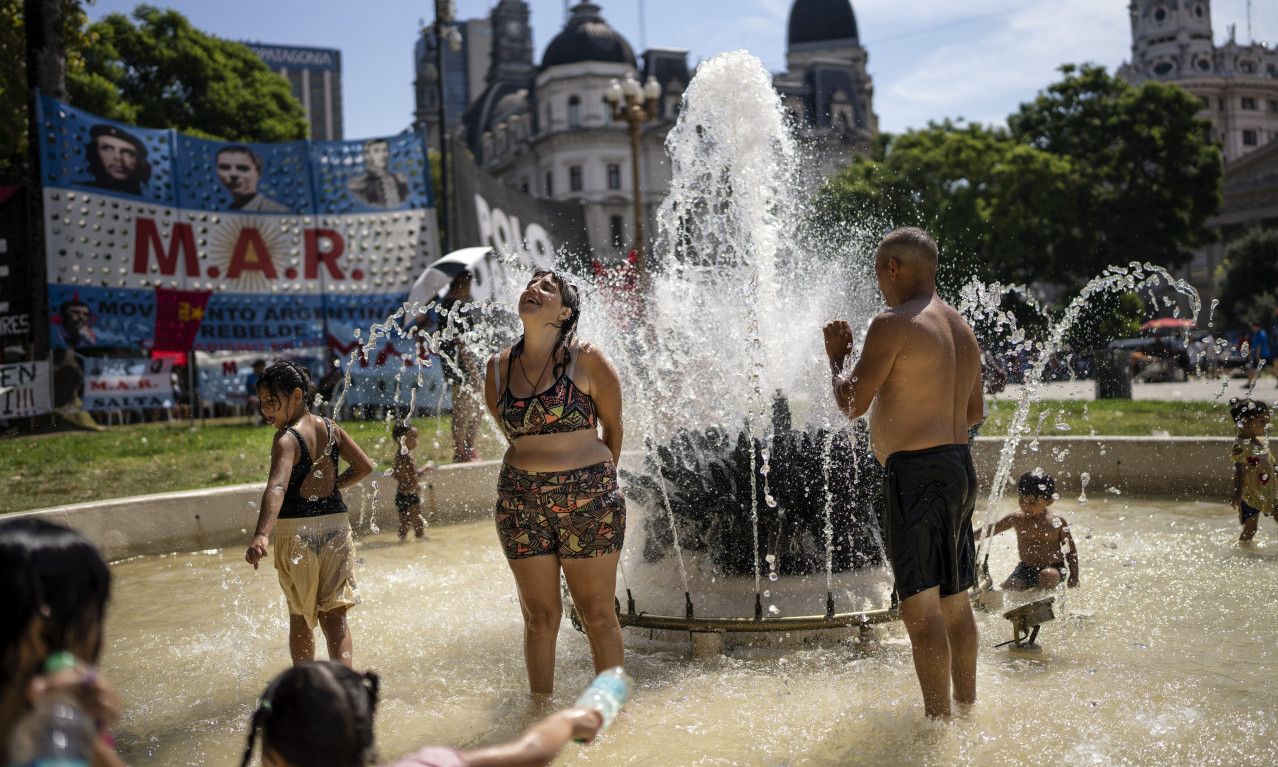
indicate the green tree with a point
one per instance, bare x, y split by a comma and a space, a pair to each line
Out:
1090, 173
1246, 281
164, 73
1148, 175
13, 79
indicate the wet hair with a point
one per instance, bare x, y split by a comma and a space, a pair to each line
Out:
1243, 409
910, 246
241, 149
72, 582
1037, 484
317, 714
401, 428
571, 299
22, 605
284, 377
463, 278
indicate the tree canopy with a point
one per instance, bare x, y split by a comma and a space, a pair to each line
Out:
164, 73
1094, 171
154, 70
1247, 281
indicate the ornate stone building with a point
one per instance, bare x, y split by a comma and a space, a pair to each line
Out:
1238, 85
546, 129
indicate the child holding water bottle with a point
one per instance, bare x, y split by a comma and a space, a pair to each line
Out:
320, 714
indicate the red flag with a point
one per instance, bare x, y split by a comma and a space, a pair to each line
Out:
178, 314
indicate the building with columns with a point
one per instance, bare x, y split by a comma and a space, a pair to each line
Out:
1172, 41
544, 127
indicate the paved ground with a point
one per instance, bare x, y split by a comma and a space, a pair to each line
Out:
1193, 390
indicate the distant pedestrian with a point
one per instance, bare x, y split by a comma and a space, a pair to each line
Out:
454, 318
408, 501
1260, 357
1254, 485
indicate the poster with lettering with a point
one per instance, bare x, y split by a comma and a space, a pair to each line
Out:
112, 383
223, 377
297, 244
24, 389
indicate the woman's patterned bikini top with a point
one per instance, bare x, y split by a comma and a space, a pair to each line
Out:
561, 408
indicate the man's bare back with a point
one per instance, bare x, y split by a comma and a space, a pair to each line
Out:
919, 378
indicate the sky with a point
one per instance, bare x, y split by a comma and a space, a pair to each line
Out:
929, 59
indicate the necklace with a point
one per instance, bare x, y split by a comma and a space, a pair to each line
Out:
523, 370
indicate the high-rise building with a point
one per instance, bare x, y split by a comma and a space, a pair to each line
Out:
465, 63
316, 77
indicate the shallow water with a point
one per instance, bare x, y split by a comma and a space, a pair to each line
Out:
1165, 655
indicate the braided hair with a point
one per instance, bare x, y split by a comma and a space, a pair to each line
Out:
282, 378
571, 299
317, 714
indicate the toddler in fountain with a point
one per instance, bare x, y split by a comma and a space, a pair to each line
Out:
1253, 465
1040, 534
407, 501
320, 714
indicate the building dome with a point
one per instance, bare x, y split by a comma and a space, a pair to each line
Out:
587, 37
818, 21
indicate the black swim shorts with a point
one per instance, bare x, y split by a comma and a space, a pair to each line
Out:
406, 501
928, 528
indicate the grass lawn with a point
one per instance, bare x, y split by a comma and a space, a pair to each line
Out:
57, 468
51, 469
1115, 418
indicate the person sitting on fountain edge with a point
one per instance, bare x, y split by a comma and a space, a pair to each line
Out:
1254, 488
1040, 534
919, 377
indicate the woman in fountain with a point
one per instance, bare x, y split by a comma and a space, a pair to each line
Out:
558, 506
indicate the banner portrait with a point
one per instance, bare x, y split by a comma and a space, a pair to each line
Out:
261, 247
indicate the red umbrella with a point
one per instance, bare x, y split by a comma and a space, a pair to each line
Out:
1167, 322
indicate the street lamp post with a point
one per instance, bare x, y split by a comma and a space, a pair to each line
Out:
635, 105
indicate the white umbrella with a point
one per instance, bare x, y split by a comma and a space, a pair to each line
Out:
433, 282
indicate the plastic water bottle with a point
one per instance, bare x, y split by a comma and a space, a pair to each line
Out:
607, 694
57, 733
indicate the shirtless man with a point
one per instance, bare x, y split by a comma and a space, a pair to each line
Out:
919, 376
1040, 534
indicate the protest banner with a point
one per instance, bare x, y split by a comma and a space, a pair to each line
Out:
24, 389
127, 383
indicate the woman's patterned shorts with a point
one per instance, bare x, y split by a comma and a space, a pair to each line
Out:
576, 514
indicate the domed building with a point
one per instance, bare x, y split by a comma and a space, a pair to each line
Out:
547, 130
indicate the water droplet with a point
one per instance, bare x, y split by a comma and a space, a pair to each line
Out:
765, 454
764, 469
388, 472
773, 610
144, 440
313, 498
768, 499
1056, 522
319, 474
767, 593
770, 558
772, 576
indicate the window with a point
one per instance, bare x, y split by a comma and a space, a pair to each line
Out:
618, 229
550, 183
523, 186
614, 176
1273, 105
574, 178
1220, 104
1248, 102
1250, 138
1160, 14
574, 112
1162, 67
1203, 64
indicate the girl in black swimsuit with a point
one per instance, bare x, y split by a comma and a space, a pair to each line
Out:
303, 515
